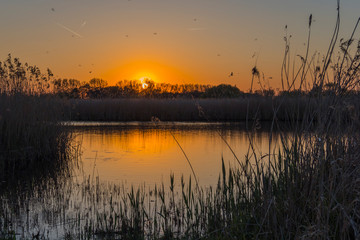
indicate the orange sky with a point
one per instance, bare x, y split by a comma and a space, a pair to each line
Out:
184, 41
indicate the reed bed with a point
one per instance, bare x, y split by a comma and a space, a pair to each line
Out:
31, 141
193, 110
164, 109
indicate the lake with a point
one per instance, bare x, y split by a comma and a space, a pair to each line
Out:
116, 156
139, 153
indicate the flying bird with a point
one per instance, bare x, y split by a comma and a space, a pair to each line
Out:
231, 74
53, 9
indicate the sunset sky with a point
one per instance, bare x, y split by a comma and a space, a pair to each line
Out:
175, 41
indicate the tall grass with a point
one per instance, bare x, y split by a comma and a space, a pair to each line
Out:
164, 109
31, 140
228, 110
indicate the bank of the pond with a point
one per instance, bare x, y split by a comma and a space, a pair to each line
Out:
282, 108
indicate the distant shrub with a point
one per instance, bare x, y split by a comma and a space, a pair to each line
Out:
98, 83
222, 91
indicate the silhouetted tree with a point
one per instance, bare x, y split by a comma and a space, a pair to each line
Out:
66, 84
222, 91
98, 83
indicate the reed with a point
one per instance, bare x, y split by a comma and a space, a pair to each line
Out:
217, 110
31, 140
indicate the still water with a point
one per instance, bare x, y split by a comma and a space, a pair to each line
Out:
147, 153
116, 156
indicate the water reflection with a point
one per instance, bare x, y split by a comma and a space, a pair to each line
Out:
138, 153
126, 154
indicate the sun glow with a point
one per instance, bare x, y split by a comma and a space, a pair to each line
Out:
143, 80
156, 71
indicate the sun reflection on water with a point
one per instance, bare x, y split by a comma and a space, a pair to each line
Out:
138, 154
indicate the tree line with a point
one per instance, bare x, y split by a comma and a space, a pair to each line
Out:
98, 88
16, 77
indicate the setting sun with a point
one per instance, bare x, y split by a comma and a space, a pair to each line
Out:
143, 80
157, 71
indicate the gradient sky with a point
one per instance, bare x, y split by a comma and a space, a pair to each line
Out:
176, 41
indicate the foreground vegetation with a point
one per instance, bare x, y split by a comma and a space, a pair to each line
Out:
31, 141
307, 189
